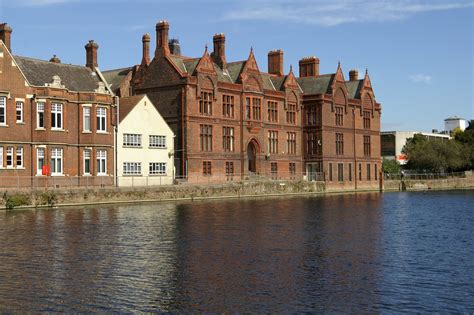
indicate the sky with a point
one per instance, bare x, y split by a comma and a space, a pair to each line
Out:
419, 53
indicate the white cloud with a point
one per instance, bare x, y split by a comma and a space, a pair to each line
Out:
36, 3
421, 78
336, 12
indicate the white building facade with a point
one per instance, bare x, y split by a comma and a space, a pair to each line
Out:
145, 145
454, 122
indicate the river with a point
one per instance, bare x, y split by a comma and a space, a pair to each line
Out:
353, 253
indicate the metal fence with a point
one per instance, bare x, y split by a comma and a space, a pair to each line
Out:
58, 182
424, 176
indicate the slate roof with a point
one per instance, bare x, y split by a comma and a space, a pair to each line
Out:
74, 78
127, 104
316, 85
354, 87
115, 77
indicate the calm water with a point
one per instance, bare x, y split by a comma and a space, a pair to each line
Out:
350, 253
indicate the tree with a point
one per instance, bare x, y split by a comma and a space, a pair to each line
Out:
390, 166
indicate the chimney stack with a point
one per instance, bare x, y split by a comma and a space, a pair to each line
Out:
309, 67
146, 49
91, 54
275, 62
162, 29
6, 35
219, 50
353, 75
55, 59
174, 46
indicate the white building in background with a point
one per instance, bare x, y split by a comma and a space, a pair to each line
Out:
145, 144
392, 143
454, 122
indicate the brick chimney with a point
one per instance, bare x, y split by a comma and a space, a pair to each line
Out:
146, 49
6, 35
275, 62
175, 48
219, 50
162, 29
353, 75
55, 59
309, 67
91, 54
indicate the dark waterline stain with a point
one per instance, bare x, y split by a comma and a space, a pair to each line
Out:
355, 253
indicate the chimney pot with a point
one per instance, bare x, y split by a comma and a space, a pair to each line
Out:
309, 67
219, 50
353, 75
146, 49
55, 59
275, 62
91, 54
6, 35
162, 29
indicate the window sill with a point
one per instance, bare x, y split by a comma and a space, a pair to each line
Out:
20, 123
20, 168
157, 147
86, 131
132, 147
57, 175
158, 175
100, 132
87, 175
132, 175
57, 129
4, 125
102, 175
40, 129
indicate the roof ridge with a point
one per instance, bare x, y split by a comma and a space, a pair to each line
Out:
125, 68
52, 63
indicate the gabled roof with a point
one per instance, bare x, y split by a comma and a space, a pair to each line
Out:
316, 85
74, 78
235, 69
354, 88
114, 77
127, 104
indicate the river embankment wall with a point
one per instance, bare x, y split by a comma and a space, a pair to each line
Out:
430, 184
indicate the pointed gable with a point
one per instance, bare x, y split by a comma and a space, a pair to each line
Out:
205, 64
251, 63
290, 80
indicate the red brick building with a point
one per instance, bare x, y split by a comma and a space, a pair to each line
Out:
55, 121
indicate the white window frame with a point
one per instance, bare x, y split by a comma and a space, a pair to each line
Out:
86, 155
39, 110
132, 140
1, 157
132, 168
3, 107
10, 155
101, 114
57, 111
157, 141
19, 157
101, 158
86, 117
57, 160
19, 108
39, 170
157, 168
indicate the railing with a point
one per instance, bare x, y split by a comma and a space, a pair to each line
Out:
58, 182
424, 176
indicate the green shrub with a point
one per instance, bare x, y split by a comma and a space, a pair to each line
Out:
15, 200
48, 198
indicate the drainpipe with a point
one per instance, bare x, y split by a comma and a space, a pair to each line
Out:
356, 167
183, 126
117, 108
32, 99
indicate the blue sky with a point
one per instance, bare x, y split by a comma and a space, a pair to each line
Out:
419, 53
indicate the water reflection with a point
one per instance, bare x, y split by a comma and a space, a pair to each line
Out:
342, 253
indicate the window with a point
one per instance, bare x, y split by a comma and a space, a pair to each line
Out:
132, 140
292, 168
368, 171
274, 170
206, 168
9, 157
340, 172
366, 145
312, 116
366, 119
247, 108
229, 170
101, 119
313, 144
39, 161
291, 114
205, 136
339, 143
87, 162
360, 171
291, 142
205, 103
56, 116
56, 161
228, 139
375, 172
19, 157
339, 116
272, 111
132, 168
330, 172
101, 162
157, 168
19, 112
157, 142
273, 142
256, 108
350, 172
1, 157
227, 106
3, 110
40, 115
86, 115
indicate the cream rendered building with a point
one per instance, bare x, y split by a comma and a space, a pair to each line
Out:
145, 144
